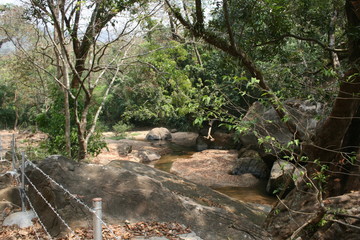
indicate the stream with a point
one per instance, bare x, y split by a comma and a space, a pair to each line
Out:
255, 194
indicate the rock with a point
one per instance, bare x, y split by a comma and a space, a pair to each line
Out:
189, 236
251, 162
201, 143
137, 192
146, 156
220, 140
348, 205
197, 169
22, 219
283, 173
267, 123
10, 194
187, 139
124, 149
159, 134
339, 210
5, 180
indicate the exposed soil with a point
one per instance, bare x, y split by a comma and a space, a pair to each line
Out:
137, 140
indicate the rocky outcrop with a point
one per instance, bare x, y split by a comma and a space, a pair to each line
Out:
136, 192
338, 219
284, 177
213, 168
159, 134
251, 162
266, 122
343, 219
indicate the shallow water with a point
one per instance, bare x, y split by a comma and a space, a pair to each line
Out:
254, 194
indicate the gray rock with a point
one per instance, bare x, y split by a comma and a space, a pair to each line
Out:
266, 122
254, 165
124, 149
147, 156
138, 192
21, 219
189, 236
283, 173
159, 134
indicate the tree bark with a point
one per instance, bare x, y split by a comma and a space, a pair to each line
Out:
63, 73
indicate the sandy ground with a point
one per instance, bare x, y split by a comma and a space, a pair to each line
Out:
137, 139
24, 140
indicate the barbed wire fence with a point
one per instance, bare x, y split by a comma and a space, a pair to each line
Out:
23, 182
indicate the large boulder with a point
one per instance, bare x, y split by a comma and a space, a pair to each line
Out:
136, 192
251, 162
213, 168
266, 122
159, 134
284, 177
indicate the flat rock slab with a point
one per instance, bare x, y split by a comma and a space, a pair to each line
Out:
136, 192
212, 168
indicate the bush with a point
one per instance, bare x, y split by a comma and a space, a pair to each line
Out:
120, 128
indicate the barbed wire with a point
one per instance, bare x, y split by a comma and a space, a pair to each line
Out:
22, 191
50, 206
41, 223
73, 197
91, 210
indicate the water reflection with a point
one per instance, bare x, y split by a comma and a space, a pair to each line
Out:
254, 194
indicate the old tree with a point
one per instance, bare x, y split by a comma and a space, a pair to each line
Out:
333, 152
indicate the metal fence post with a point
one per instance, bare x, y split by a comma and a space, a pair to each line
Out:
97, 225
23, 181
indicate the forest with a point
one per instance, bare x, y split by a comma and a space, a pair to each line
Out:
73, 69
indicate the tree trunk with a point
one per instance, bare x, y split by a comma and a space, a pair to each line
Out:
333, 55
83, 144
67, 112
82, 129
335, 146
63, 72
335, 139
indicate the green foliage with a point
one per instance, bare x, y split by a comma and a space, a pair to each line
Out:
7, 113
120, 129
52, 122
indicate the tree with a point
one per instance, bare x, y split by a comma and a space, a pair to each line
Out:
81, 46
25, 90
333, 151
